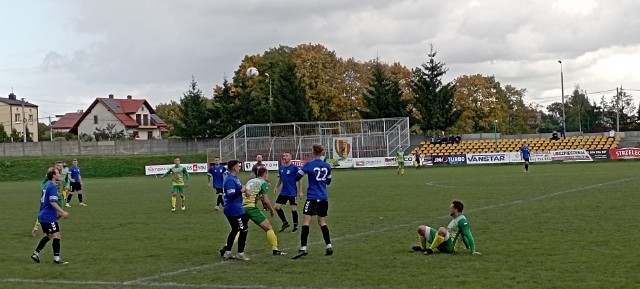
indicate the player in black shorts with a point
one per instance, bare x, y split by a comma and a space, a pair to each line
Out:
290, 188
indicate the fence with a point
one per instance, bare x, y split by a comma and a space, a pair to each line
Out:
354, 138
125, 147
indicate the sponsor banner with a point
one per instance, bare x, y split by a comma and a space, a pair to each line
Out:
298, 163
490, 158
536, 157
392, 162
161, 169
340, 163
571, 156
449, 160
369, 162
271, 165
342, 147
599, 154
625, 153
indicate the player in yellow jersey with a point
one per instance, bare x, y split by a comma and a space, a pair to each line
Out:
179, 180
400, 161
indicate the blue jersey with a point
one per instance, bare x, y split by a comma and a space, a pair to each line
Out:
48, 214
217, 173
525, 152
319, 174
287, 175
232, 196
75, 173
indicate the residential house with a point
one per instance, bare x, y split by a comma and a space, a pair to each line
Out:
19, 115
66, 121
134, 116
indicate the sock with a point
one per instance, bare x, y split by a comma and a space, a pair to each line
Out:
294, 214
80, 197
183, 198
56, 247
304, 235
173, 202
325, 234
230, 238
43, 242
235, 240
423, 242
219, 201
37, 225
65, 193
272, 239
69, 197
242, 241
402, 171
281, 215
437, 240
526, 167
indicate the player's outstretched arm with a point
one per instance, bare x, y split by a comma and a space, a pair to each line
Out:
466, 235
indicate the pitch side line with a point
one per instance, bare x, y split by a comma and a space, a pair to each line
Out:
144, 279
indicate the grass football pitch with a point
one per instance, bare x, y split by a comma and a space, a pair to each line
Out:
559, 226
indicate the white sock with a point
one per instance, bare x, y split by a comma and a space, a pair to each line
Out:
303, 248
56, 258
329, 246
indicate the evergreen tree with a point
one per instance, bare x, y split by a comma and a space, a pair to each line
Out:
383, 98
434, 100
3, 134
290, 103
194, 114
225, 110
15, 136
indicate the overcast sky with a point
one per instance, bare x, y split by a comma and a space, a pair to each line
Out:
61, 55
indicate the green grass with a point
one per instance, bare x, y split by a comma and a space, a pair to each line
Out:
559, 226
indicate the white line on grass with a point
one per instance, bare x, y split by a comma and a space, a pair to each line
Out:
143, 281
378, 230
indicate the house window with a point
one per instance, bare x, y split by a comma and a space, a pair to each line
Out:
17, 118
95, 119
31, 118
145, 119
139, 118
149, 135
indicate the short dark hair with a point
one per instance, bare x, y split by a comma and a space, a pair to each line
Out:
232, 163
458, 205
317, 149
262, 171
52, 172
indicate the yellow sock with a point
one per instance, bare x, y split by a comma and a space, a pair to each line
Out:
235, 241
402, 171
173, 202
436, 242
183, 199
423, 242
37, 225
272, 239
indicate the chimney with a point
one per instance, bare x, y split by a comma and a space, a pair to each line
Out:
12, 96
110, 95
80, 111
129, 97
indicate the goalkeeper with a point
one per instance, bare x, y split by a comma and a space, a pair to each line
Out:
449, 240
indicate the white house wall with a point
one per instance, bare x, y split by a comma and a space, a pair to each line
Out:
104, 117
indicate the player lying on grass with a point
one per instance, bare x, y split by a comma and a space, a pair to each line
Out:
449, 240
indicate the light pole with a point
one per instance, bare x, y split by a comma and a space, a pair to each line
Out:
270, 98
495, 133
564, 123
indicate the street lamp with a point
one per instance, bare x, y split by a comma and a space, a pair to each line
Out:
270, 98
495, 133
564, 123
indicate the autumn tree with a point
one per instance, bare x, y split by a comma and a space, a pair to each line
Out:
169, 113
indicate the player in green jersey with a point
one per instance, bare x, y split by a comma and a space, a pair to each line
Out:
179, 180
258, 187
450, 239
400, 161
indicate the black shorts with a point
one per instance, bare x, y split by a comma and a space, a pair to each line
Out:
526, 159
76, 187
219, 191
284, 199
239, 223
316, 207
50, 228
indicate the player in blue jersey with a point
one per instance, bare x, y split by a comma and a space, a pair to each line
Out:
233, 210
290, 189
525, 154
48, 217
217, 172
317, 204
76, 183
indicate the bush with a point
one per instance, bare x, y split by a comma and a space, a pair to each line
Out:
34, 168
60, 138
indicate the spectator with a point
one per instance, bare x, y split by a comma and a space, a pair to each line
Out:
554, 135
612, 133
452, 139
438, 139
562, 130
458, 139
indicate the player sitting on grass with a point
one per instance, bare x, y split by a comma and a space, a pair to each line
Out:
447, 240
